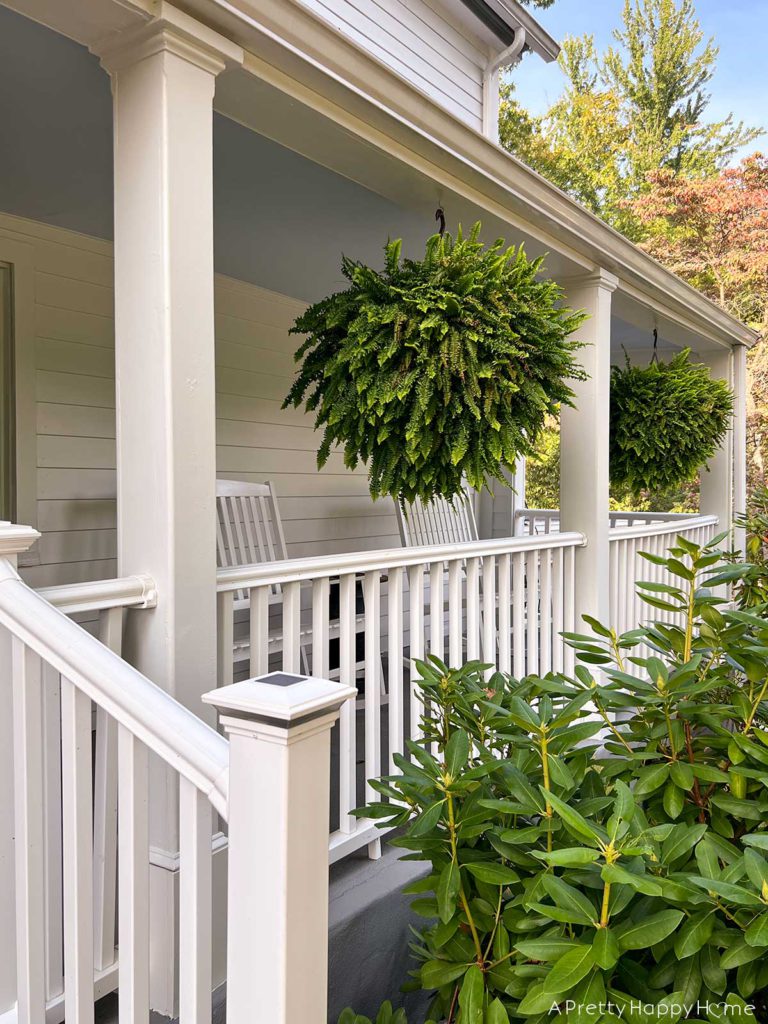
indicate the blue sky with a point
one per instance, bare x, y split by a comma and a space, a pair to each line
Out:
740, 28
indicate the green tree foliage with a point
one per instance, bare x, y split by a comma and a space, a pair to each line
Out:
598, 838
667, 419
639, 107
439, 370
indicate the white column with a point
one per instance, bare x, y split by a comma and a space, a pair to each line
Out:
717, 477
163, 78
584, 445
279, 729
740, 388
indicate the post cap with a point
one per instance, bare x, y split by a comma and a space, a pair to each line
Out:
286, 699
15, 539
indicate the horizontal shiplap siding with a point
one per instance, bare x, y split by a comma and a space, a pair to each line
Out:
422, 43
74, 390
323, 512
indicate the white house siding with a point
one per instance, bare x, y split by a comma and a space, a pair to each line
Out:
74, 392
422, 43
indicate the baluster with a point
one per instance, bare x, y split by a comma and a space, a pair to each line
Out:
569, 611
455, 645
518, 614
416, 640
320, 622
292, 627
133, 878
195, 905
105, 811
225, 636
473, 609
347, 715
78, 854
505, 614
29, 833
259, 630
613, 583
54, 897
395, 665
532, 569
371, 583
557, 609
436, 610
489, 612
545, 616
627, 586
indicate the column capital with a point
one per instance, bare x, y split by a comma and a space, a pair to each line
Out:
597, 278
171, 31
280, 707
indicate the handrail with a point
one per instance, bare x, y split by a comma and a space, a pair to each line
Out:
523, 513
296, 570
169, 729
661, 529
127, 592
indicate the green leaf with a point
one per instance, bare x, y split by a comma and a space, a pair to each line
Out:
572, 855
447, 890
471, 996
536, 1001
681, 840
427, 821
757, 933
495, 874
605, 948
496, 1013
649, 931
694, 934
651, 778
436, 973
674, 799
544, 949
739, 953
572, 817
457, 752
618, 875
569, 970
566, 897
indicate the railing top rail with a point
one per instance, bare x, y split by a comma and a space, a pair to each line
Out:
169, 729
661, 529
296, 570
126, 592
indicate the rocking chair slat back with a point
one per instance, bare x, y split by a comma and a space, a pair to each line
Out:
439, 522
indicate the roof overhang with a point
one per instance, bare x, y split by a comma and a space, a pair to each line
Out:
505, 18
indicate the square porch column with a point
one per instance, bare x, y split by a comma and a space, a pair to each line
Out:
163, 77
584, 480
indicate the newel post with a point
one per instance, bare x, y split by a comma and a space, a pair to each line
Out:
279, 729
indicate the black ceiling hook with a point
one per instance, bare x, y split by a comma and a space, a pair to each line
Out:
440, 216
655, 356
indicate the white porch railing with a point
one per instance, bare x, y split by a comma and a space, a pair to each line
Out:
370, 613
531, 522
628, 610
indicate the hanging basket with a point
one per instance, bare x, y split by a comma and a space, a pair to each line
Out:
667, 420
439, 370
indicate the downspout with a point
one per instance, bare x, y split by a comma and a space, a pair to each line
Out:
510, 56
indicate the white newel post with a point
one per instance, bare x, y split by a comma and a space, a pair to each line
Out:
717, 478
584, 480
21, 826
279, 729
163, 77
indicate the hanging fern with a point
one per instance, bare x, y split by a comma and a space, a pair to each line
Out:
667, 420
436, 370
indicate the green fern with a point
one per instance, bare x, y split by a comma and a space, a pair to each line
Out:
667, 420
439, 370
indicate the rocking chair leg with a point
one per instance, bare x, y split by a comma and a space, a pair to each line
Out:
374, 850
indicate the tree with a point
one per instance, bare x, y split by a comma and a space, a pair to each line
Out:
638, 108
714, 233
